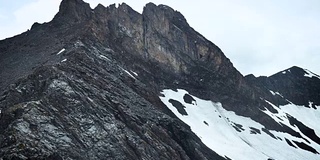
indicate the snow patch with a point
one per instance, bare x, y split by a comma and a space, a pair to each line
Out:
104, 57
276, 93
136, 74
272, 92
62, 50
91, 100
310, 74
215, 126
128, 73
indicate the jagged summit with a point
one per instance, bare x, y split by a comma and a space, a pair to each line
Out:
111, 83
122, 25
296, 71
73, 10
292, 71
304, 83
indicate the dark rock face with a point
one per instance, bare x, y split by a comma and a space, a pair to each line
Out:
82, 109
295, 84
188, 99
98, 98
180, 107
86, 86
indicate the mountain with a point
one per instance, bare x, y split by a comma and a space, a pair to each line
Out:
111, 83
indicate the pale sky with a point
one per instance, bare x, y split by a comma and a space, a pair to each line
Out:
258, 36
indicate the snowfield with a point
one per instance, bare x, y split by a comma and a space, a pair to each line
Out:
241, 138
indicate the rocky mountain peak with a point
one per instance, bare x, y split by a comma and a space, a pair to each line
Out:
156, 22
168, 12
297, 72
111, 83
72, 11
299, 86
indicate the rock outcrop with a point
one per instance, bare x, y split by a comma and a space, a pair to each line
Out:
87, 84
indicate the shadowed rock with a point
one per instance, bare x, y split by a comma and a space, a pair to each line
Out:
180, 107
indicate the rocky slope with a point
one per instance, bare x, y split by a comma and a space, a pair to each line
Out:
299, 86
87, 84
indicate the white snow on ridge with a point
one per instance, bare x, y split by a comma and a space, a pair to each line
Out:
62, 50
310, 74
284, 72
215, 127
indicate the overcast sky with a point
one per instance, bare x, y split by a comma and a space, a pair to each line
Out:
258, 36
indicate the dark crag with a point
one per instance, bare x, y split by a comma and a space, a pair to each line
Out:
99, 98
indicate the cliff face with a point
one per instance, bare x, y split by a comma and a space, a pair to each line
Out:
159, 35
87, 84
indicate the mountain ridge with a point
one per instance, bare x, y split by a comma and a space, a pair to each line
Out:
91, 72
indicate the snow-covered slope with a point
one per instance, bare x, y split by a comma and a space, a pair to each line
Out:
241, 138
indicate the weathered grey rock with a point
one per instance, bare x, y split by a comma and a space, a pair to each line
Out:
82, 109
86, 86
